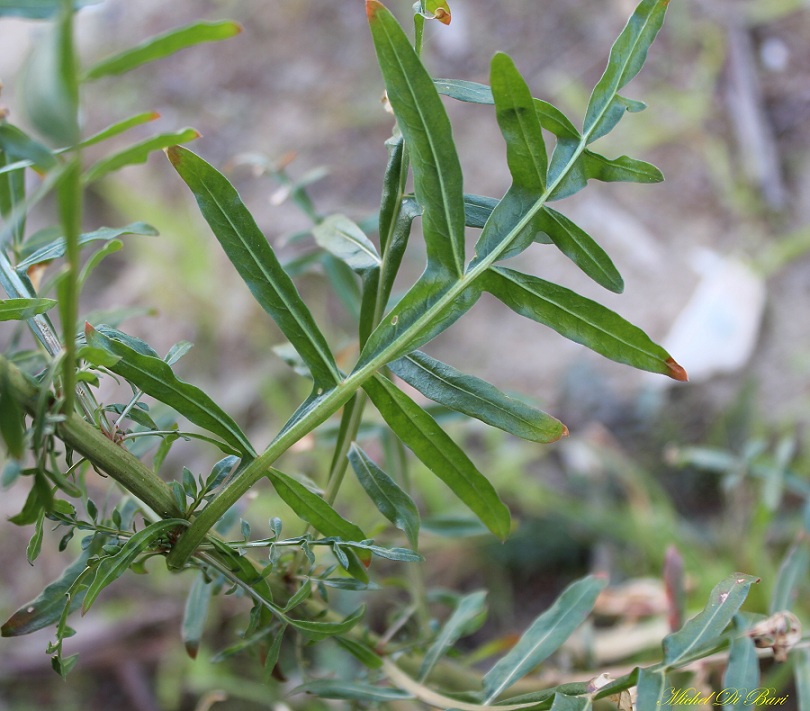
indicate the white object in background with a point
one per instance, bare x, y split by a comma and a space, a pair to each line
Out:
717, 330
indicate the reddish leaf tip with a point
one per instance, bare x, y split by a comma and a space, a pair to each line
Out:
676, 371
372, 6
565, 432
442, 16
88, 328
154, 116
173, 154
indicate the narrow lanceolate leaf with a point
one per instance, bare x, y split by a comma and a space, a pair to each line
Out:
469, 609
424, 124
56, 249
195, 614
580, 320
801, 666
704, 629
162, 46
120, 127
391, 501
350, 691
545, 635
46, 609
653, 690
22, 309
345, 240
742, 671
12, 423
319, 630
313, 509
619, 170
138, 153
155, 378
113, 567
420, 432
792, 572
580, 248
476, 398
256, 262
627, 56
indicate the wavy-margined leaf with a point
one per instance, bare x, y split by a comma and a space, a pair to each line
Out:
653, 690
420, 433
469, 609
391, 501
544, 636
156, 378
476, 398
195, 613
162, 46
345, 240
139, 153
580, 248
113, 567
428, 308
256, 262
350, 691
704, 629
56, 248
627, 56
22, 309
424, 124
313, 509
619, 170
580, 320
46, 609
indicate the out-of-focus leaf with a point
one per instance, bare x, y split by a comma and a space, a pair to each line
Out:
627, 56
653, 690
350, 691
801, 673
437, 10
363, 653
49, 92
163, 46
703, 629
345, 240
20, 146
580, 248
113, 567
23, 309
562, 702
46, 609
419, 431
155, 378
120, 127
39, 499
544, 636
313, 509
469, 609
34, 547
792, 572
37, 9
273, 653
12, 425
195, 614
468, 91
391, 501
580, 320
56, 249
256, 262
138, 153
476, 398
424, 124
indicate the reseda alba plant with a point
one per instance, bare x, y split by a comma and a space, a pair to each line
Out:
57, 433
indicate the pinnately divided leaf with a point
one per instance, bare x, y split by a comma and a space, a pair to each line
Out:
256, 262
581, 320
423, 122
476, 398
704, 628
420, 432
544, 636
162, 46
156, 378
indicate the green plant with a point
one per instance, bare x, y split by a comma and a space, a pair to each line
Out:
57, 433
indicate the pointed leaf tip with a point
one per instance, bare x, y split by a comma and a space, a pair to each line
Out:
372, 6
676, 371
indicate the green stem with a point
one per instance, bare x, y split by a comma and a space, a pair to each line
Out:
102, 452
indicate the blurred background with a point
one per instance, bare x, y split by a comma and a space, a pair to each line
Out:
715, 262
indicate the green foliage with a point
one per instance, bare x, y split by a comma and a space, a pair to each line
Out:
57, 431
